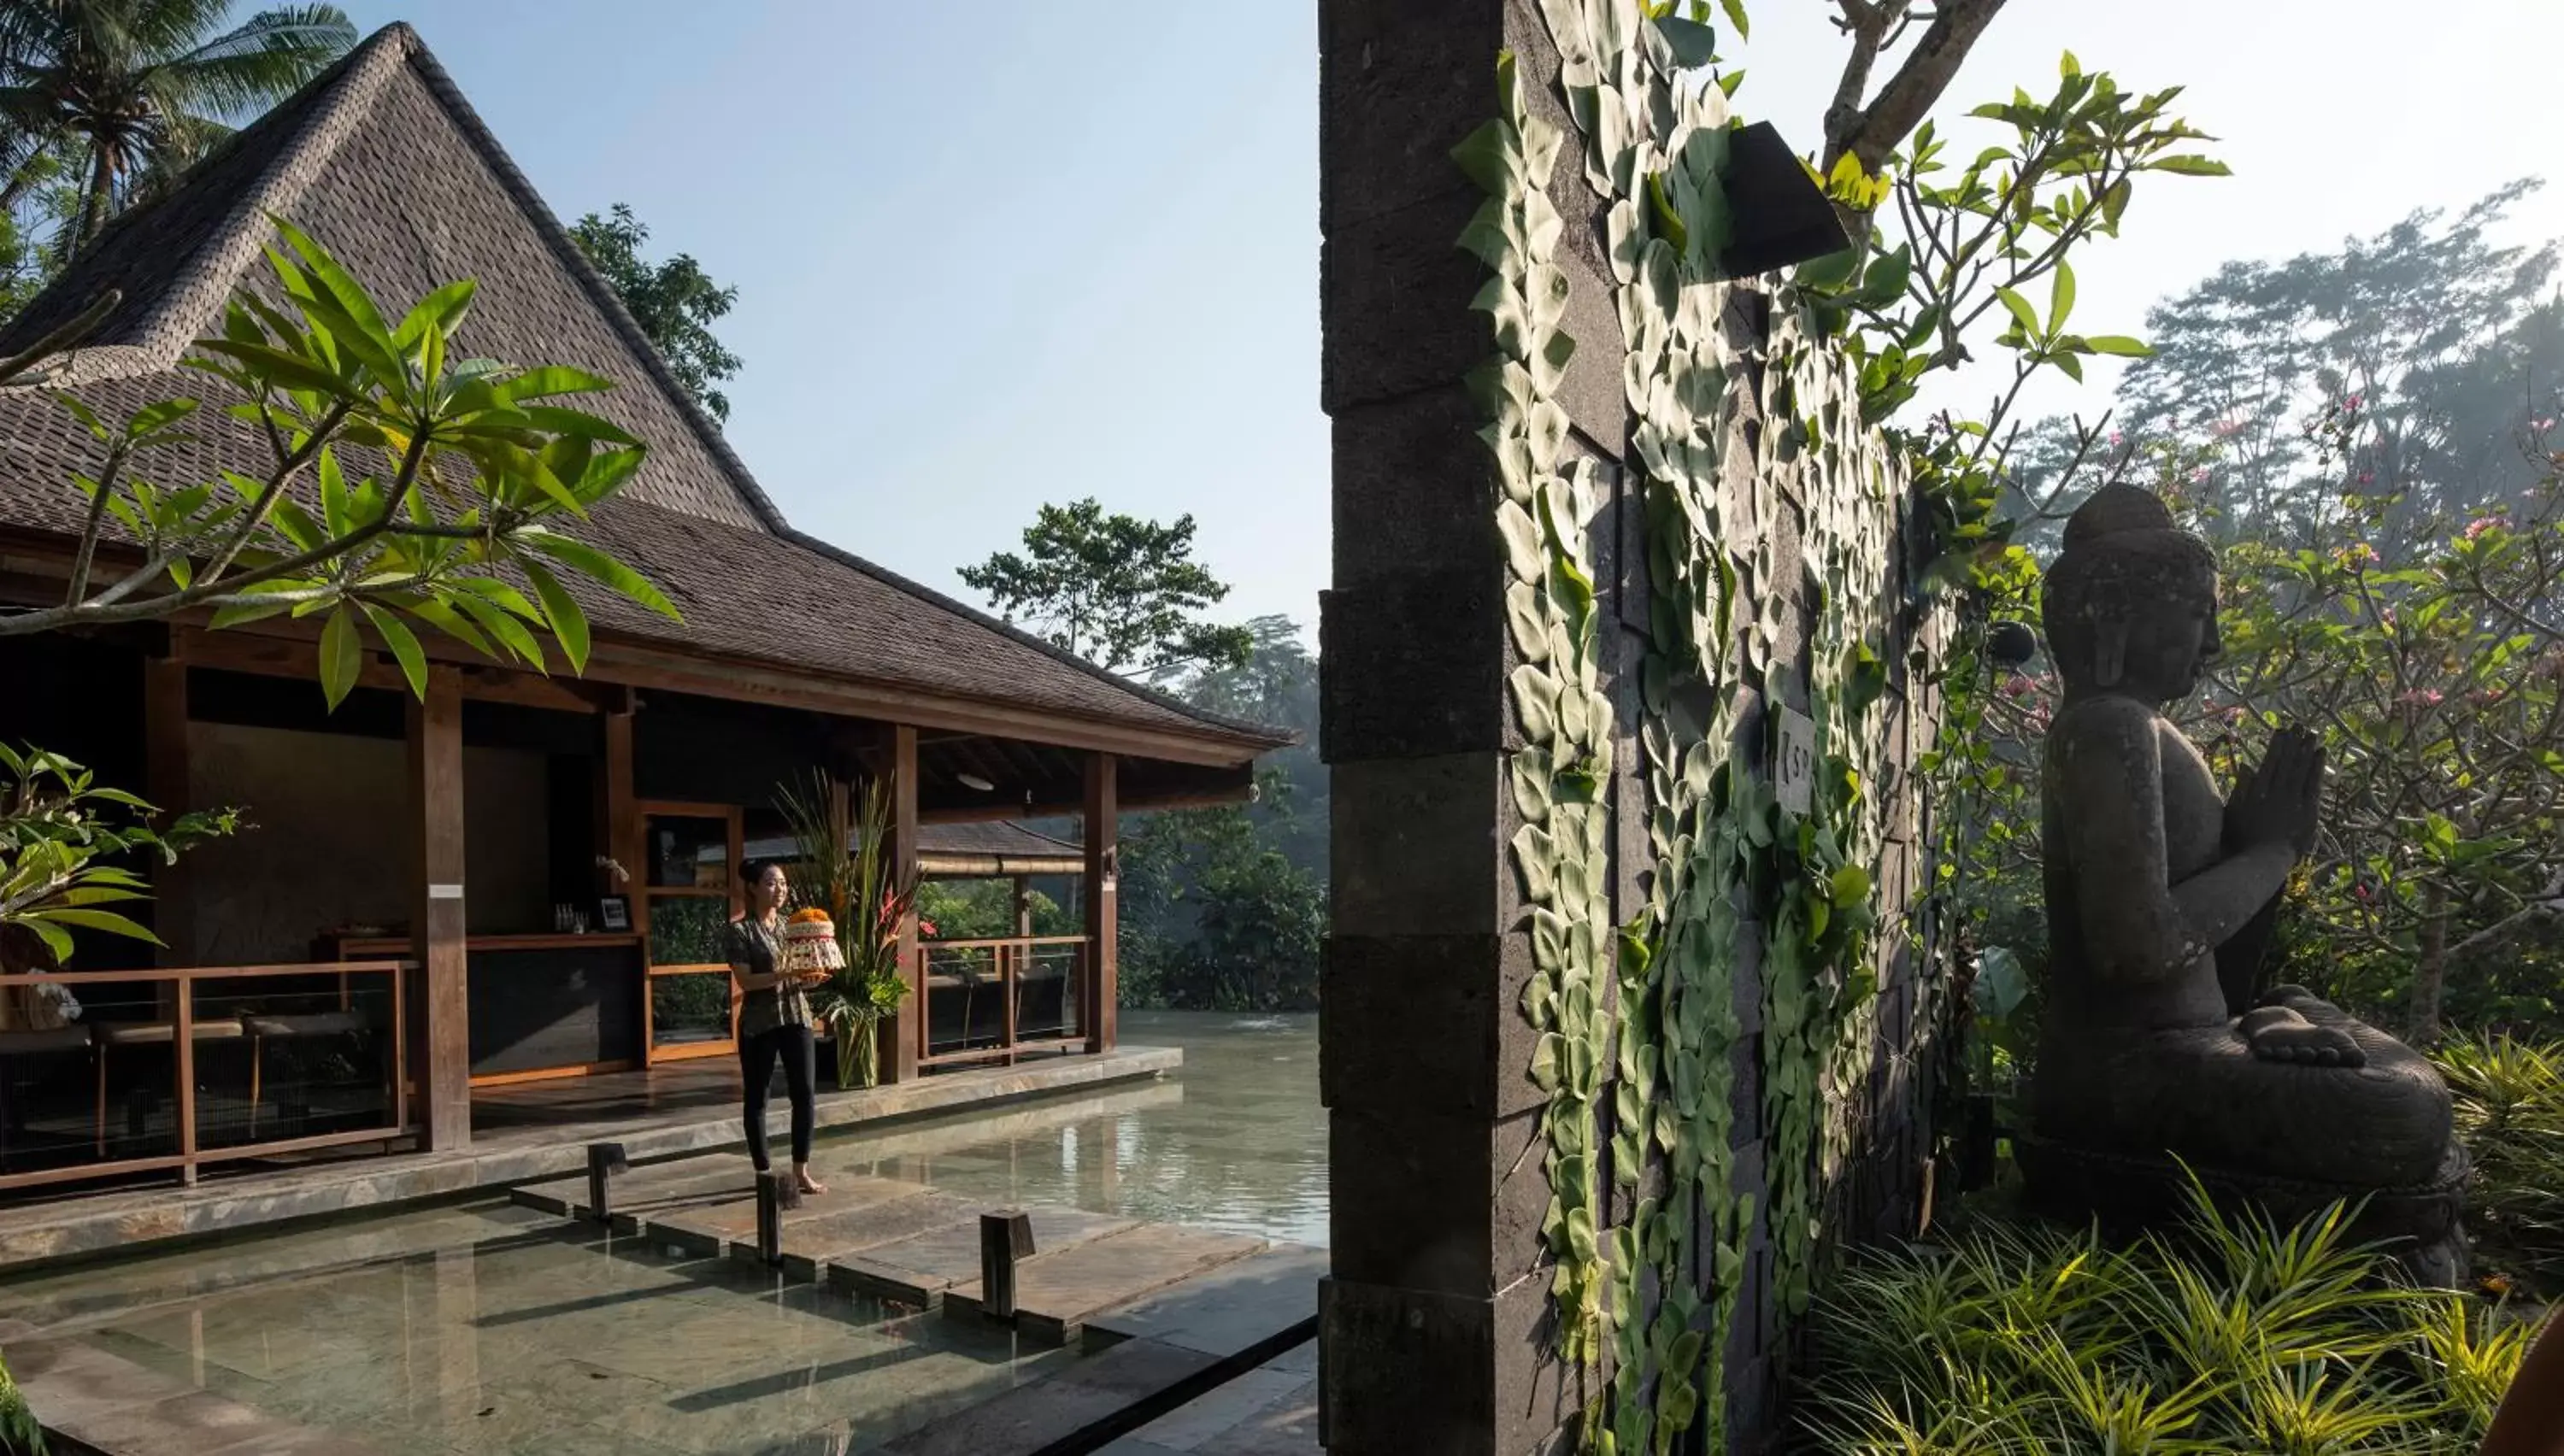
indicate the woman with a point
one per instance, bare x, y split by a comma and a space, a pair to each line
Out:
773, 1019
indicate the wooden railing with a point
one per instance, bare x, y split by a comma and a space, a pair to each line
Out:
288, 1012
994, 1000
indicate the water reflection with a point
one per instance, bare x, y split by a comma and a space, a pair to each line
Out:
1244, 1150
488, 1329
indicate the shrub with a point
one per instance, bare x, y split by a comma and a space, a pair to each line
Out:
2231, 1334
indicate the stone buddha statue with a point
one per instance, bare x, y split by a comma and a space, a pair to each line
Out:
2155, 1054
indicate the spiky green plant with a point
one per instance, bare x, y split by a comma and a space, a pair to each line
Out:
2510, 1112
2233, 1334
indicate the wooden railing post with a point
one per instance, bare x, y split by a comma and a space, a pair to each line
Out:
183, 1027
904, 1031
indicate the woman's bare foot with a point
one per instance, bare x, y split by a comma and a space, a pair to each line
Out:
808, 1184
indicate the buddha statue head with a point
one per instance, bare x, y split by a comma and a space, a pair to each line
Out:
2130, 604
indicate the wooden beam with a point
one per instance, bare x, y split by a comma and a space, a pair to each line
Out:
437, 929
907, 1029
646, 666
1103, 815
243, 650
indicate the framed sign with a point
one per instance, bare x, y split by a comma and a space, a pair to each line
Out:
614, 915
1793, 759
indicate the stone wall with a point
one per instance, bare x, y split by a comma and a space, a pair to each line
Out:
1597, 1063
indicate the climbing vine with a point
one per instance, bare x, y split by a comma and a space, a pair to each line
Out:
1637, 1068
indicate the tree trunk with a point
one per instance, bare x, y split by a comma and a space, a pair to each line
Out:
2431, 978
93, 203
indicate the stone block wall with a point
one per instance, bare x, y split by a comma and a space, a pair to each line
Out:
1557, 1148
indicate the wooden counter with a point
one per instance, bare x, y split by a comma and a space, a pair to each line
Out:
541, 1006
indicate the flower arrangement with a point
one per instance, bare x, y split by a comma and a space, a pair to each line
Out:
838, 876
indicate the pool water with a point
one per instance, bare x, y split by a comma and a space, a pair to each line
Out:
488, 1329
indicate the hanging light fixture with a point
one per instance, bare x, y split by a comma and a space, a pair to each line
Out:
975, 781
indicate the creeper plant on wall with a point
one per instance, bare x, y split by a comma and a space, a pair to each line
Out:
1658, 1289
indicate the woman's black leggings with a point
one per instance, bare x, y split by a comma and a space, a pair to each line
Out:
757, 1058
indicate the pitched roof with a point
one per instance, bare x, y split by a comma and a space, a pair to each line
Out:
384, 162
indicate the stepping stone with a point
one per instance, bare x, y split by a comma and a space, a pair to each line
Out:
97, 1401
810, 1248
1034, 1418
651, 1188
716, 1229
1225, 1311
917, 1271
1056, 1293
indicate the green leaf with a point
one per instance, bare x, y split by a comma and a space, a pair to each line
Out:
404, 645
2069, 67
106, 921
578, 423
2119, 345
579, 557
2061, 297
568, 623
1735, 11
504, 628
446, 309
1490, 157
343, 654
1692, 43
551, 379
276, 366
343, 290
2191, 166
2021, 313
1849, 886
157, 415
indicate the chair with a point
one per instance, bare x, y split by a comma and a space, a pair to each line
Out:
144, 1034
264, 1029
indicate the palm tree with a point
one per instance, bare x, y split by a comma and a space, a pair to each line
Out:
133, 89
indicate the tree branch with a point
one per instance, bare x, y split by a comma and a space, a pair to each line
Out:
1871, 132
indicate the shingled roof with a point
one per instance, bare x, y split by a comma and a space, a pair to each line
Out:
385, 164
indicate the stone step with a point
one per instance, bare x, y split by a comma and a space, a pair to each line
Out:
1225, 1311
1047, 1415
654, 1187
810, 1248
918, 1271
717, 1229
91, 1400
1057, 1293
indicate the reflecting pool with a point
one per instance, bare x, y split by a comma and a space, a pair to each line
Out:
482, 1327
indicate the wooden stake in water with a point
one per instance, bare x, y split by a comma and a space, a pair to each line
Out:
604, 1160
1004, 1238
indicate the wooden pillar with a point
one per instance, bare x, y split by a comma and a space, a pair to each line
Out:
906, 1031
164, 773
1024, 905
618, 837
1103, 901
442, 1063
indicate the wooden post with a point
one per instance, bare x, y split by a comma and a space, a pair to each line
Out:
619, 835
1006, 1237
437, 929
164, 774
1103, 901
906, 1030
1023, 907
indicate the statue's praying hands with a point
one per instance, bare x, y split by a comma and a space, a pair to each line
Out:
2280, 802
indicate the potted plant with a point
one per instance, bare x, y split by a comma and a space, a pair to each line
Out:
851, 878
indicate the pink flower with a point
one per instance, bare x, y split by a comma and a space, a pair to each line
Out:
2481, 524
2367, 477
2117, 439
2541, 426
2352, 402
2355, 558
2016, 685
2419, 698
2484, 697
2226, 428
2234, 716
2199, 476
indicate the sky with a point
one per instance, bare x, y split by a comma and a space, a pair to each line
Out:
997, 255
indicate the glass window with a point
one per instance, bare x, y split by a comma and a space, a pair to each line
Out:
689, 1009
688, 853
689, 929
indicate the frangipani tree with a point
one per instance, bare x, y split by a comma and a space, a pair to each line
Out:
404, 487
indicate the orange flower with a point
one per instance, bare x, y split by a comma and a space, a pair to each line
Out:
808, 913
